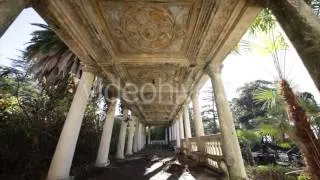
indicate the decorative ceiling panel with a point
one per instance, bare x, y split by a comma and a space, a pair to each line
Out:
149, 29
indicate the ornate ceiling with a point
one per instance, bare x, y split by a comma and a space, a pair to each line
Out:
157, 46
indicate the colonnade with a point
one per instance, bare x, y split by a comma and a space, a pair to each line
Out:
306, 42
63, 156
180, 127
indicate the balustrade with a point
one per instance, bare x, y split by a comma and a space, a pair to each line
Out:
205, 150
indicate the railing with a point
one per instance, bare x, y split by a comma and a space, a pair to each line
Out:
158, 142
206, 150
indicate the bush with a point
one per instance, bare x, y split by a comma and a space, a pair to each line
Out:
269, 172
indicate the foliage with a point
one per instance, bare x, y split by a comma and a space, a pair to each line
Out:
32, 117
269, 172
249, 137
209, 113
157, 133
51, 61
304, 177
245, 109
264, 22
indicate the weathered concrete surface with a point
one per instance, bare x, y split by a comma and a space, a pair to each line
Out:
9, 10
303, 29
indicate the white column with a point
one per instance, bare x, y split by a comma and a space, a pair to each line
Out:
230, 145
170, 135
181, 126
103, 152
197, 115
187, 127
177, 134
143, 136
136, 137
122, 135
140, 137
130, 136
166, 136
149, 135
9, 10
63, 155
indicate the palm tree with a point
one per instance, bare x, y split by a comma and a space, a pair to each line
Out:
300, 129
51, 61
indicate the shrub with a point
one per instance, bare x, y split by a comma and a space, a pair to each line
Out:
269, 172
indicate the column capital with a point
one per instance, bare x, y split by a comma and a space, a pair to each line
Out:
214, 68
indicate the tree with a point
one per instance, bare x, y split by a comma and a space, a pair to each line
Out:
32, 117
298, 122
209, 113
246, 110
50, 59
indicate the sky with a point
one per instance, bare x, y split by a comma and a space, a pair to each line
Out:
237, 70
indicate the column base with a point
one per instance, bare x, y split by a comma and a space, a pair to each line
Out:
102, 164
65, 178
120, 157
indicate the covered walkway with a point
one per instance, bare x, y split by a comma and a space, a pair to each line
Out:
154, 163
154, 56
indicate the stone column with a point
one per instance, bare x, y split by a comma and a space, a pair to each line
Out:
302, 27
143, 136
103, 152
140, 137
149, 135
170, 135
230, 143
122, 135
181, 126
187, 127
9, 10
178, 139
63, 155
136, 137
174, 130
130, 136
166, 136
197, 115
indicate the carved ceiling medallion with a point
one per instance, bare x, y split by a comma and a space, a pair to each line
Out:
148, 28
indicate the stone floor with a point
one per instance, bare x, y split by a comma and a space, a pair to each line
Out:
155, 164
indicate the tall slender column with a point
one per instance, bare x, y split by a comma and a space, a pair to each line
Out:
63, 155
302, 27
166, 136
103, 152
197, 115
181, 126
149, 135
140, 137
130, 136
170, 135
186, 121
143, 136
122, 135
230, 145
9, 10
136, 137
178, 139
173, 132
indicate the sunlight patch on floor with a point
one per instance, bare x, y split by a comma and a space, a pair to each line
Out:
162, 175
157, 165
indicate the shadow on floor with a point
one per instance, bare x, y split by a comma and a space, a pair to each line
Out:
154, 164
